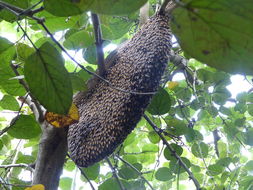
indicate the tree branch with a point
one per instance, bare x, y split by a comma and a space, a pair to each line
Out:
173, 152
40, 115
13, 121
115, 175
99, 44
18, 11
136, 170
86, 177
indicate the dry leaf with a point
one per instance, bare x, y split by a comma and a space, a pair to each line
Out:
58, 120
36, 187
171, 85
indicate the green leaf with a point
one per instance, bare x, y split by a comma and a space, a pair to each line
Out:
4, 44
48, 79
1, 144
169, 155
200, 150
160, 103
65, 183
248, 137
126, 172
92, 172
221, 95
214, 170
114, 27
78, 40
90, 55
62, 8
249, 166
109, 184
27, 159
9, 15
205, 32
116, 7
176, 167
8, 84
25, 128
163, 174
176, 126
224, 162
9, 103
78, 84
23, 51
153, 137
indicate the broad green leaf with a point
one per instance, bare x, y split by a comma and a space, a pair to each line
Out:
169, 155
217, 33
126, 172
1, 144
25, 127
48, 79
153, 137
246, 183
176, 126
23, 51
8, 15
4, 44
92, 172
65, 183
110, 183
150, 148
7, 83
9, 103
114, 27
249, 166
90, 55
116, 7
214, 170
220, 96
78, 84
200, 150
78, 40
55, 23
176, 167
160, 103
248, 137
224, 162
163, 174
27, 159
62, 8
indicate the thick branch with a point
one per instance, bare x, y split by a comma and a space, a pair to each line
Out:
99, 44
173, 152
51, 157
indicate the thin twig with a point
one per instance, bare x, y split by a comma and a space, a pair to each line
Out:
99, 44
83, 173
13, 121
15, 185
86, 177
26, 35
26, 166
18, 11
136, 170
115, 175
158, 131
23, 83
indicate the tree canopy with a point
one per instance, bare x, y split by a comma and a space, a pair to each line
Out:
195, 134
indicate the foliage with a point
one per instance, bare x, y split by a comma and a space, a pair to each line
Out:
208, 127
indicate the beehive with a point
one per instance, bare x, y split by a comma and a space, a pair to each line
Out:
107, 115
